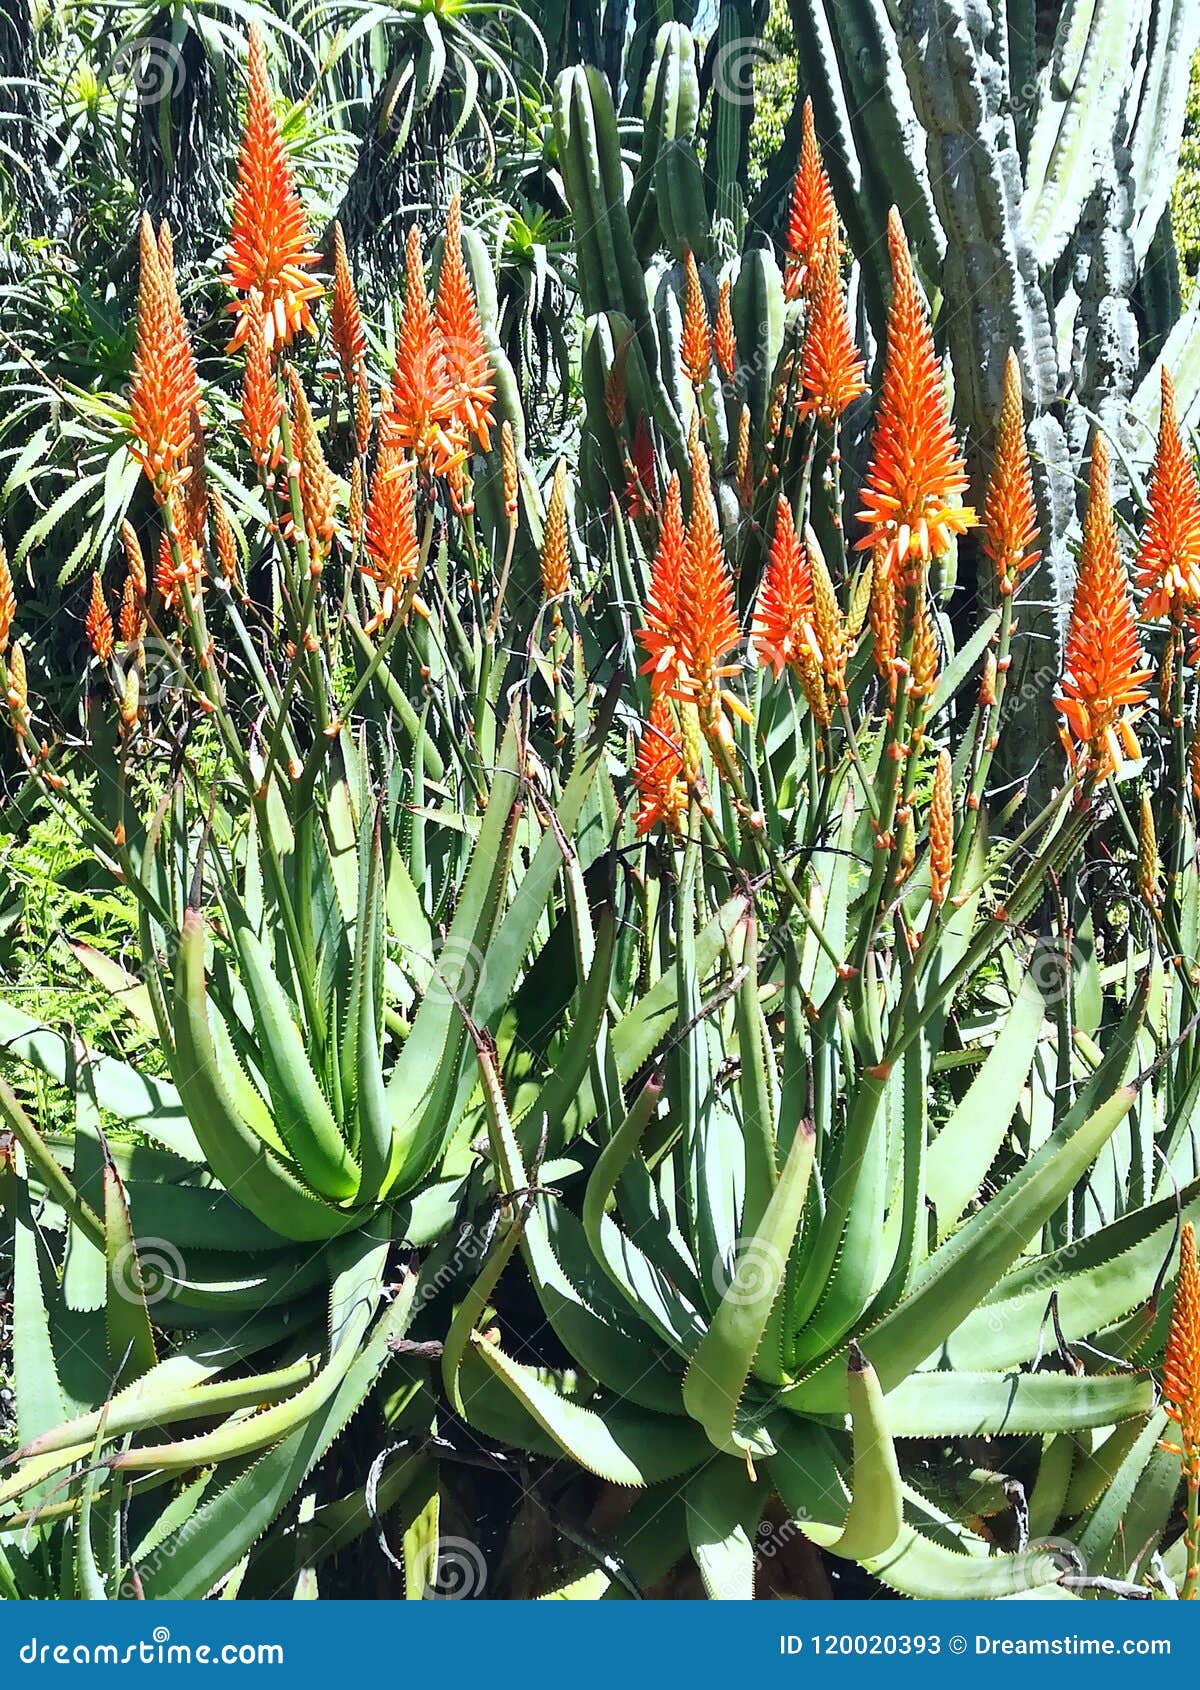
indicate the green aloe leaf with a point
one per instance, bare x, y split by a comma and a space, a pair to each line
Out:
718, 1371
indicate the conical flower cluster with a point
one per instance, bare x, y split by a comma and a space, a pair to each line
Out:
163, 398
1168, 561
1010, 531
784, 633
831, 370
1104, 672
466, 352
658, 772
268, 242
812, 219
912, 499
392, 553
425, 410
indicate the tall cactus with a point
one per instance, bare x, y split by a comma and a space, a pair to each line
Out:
1031, 148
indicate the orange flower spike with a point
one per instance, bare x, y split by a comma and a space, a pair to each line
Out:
1010, 532
1103, 665
912, 498
223, 535
318, 490
268, 243
783, 619
1181, 1366
658, 773
1181, 1397
262, 403
812, 219
393, 554
695, 346
132, 619
345, 319
425, 405
508, 472
708, 625
166, 260
98, 623
1168, 561
8, 601
831, 371
135, 563
162, 397
18, 692
556, 555
724, 339
467, 359
659, 638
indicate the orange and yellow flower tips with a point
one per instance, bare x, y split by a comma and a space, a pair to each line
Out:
1010, 526
556, 553
912, 498
695, 345
1103, 666
393, 554
318, 490
166, 262
508, 472
424, 402
941, 830
18, 692
784, 634
162, 399
1181, 1393
1148, 887
268, 243
262, 403
131, 621
659, 638
1168, 561
8, 601
923, 664
831, 371
135, 563
658, 773
724, 339
223, 536
812, 220
707, 623
345, 318
98, 622
177, 580
744, 460
466, 350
